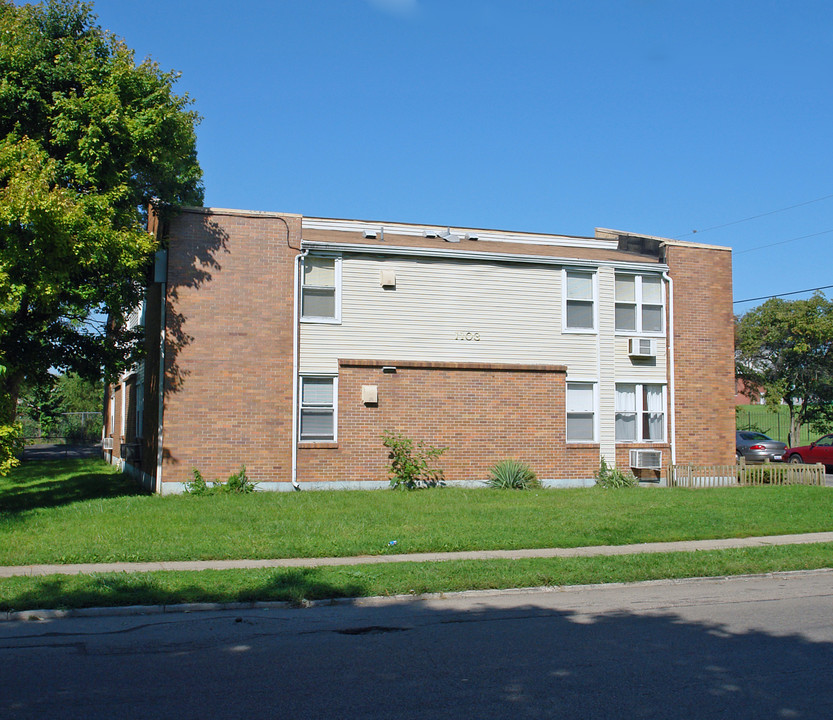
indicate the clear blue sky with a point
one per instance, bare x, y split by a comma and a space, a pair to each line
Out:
654, 116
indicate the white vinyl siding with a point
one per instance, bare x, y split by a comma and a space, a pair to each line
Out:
606, 374
581, 412
318, 408
513, 309
640, 412
653, 371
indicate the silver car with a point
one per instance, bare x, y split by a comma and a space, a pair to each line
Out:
756, 447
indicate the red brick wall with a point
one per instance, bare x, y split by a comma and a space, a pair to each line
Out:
704, 353
228, 373
228, 345
483, 413
623, 459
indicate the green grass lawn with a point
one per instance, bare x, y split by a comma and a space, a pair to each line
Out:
300, 584
83, 511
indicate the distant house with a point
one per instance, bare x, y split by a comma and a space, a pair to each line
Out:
747, 393
289, 344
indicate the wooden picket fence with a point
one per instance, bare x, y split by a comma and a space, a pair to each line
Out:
702, 476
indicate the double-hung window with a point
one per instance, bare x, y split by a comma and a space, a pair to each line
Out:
639, 303
318, 408
112, 412
321, 289
581, 412
579, 301
640, 412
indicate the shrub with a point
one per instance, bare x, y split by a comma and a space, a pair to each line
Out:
237, 483
609, 477
512, 474
411, 464
198, 486
79, 431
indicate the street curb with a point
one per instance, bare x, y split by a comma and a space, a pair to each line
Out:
376, 601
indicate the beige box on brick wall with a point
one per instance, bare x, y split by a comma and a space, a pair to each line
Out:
370, 394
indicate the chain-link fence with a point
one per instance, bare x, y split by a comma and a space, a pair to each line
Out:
774, 422
76, 428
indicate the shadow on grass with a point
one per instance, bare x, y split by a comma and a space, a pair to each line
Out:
51, 483
294, 585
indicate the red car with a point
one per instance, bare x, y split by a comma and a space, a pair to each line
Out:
820, 451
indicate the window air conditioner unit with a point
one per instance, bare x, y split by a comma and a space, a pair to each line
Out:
646, 459
642, 347
108, 443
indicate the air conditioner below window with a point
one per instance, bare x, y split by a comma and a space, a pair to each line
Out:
646, 459
642, 347
108, 443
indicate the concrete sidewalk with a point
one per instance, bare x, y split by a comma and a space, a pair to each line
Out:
658, 547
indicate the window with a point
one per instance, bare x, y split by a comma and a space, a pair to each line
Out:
581, 412
579, 301
318, 408
640, 413
321, 289
123, 389
140, 402
639, 303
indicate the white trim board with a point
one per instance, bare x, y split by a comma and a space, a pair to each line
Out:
482, 256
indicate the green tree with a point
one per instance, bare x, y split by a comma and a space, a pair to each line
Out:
786, 348
78, 394
88, 140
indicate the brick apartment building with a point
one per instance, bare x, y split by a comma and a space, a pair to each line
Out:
289, 345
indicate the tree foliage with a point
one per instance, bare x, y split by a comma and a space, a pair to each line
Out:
88, 139
78, 394
786, 348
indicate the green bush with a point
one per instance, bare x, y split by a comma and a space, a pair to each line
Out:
411, 464
80, 432
609, 477
237, 483
512, 474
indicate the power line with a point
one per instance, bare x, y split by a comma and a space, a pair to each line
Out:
797, 292
782, 242
754, 217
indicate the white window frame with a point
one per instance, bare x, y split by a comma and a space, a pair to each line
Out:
640, 411
123, 432
594, 300
572, 410
336, 319
140, 403
112, 417
638, 304
315, 406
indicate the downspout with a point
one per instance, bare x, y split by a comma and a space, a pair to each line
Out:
671, 385
161, 274
296, 323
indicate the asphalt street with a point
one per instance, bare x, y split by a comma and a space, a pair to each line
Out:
749, 647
